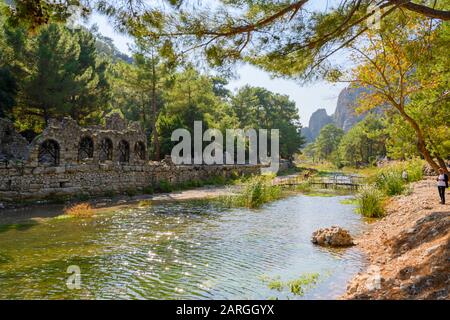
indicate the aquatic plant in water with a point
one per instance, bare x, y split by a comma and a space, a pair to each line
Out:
81, 210
256, 191
297, 286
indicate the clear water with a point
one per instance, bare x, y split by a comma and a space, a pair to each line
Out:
182, 250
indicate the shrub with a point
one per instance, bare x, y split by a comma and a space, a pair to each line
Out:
190, 184
415, 169
148, 189
82, 197
234, 175
393, 171
370, 202
131, 192
145, 203
304, 186
82, 210
109, 193
256, 191
165, 186
215, 180
391, 182
58, 199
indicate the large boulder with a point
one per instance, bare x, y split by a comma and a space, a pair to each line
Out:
334, 236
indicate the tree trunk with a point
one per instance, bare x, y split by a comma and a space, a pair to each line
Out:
436, 155
421, 145
157, 155
46, 116
442, 163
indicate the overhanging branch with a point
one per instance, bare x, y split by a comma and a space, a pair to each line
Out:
424, 10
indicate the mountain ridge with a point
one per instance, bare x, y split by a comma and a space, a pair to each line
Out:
344, 116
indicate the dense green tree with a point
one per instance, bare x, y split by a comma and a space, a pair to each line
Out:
363, 143
309, 151
8, 84
328, 141
405, 65
90, 87
48, 83
192, 97
8, 91
12, 42
105, 46
138, 88
259, 108
401, 139
52, 74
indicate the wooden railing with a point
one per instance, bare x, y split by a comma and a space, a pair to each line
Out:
328, 181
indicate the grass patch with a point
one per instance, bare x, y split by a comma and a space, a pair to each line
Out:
389, 178
81, 210
370, 202
148, 189
304, 186
256, 191
145, 203
164, 186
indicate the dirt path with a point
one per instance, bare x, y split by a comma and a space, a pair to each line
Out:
408, 250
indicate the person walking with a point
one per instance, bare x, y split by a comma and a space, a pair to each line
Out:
442, 184
405, 176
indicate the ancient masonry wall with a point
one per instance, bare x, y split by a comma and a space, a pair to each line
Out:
68, 160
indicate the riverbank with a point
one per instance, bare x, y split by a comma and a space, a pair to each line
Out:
408, 251
42, 210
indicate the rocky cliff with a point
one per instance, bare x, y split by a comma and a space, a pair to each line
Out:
318, 120
344, 115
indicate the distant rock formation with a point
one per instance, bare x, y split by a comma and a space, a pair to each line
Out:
318, 120
344, 117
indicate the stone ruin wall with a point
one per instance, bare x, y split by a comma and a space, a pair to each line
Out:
58, 162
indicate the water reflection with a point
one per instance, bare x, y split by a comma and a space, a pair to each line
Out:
180, 250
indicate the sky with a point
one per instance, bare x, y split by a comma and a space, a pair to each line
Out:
308, 98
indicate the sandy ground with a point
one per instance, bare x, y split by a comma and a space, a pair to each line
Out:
408, 250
